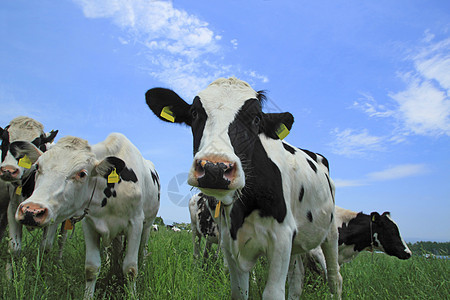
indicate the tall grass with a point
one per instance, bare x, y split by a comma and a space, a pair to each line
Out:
170, 272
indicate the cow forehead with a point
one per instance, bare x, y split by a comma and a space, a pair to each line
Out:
23, 134
66, 160
226, 95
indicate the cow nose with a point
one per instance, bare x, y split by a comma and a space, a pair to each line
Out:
9, 172
32, 214
214, 175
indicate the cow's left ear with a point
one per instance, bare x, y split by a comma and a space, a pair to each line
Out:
111, 164
49, 137
168, 106
374, 216
20, 149
277, 125
386, 214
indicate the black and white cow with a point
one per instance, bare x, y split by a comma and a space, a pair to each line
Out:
276, 200
17, 177
117, 186
202, 223
359, 232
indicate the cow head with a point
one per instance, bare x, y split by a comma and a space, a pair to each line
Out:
21, 129
227, 123
387, 236
65, 180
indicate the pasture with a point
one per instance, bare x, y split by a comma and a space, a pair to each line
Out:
171, 273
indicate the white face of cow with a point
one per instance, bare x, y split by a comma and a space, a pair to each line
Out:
64, 182
226, 120
21, 129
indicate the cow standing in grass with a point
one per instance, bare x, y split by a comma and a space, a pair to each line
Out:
110, 184
276, 200
359, 232
17, 178
202, 223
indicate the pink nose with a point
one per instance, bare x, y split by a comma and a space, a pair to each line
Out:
32, 214
9, 172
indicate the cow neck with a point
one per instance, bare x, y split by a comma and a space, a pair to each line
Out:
355, 232
75, 220
263, 190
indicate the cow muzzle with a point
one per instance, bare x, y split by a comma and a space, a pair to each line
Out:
9, 173
32, 214
214, 174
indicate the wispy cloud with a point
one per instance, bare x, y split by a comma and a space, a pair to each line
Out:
421, 108
391, 173
180, 49
349, 142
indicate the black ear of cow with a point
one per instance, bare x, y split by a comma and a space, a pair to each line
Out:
21, 148
105, 167
374, 216
272, 121
159, 98
50, 138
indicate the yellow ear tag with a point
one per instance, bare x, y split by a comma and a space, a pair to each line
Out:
373, 218
25, 162
282, 131
217, 211
113, 177
19, 190
167, 114
68, 225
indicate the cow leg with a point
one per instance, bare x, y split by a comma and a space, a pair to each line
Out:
15, 234
238, 278
62, 238
207, 249
279, 255
3, 221
296, 275
130, 267
93, 261
48, 237
143, 247
196, 240
330, 251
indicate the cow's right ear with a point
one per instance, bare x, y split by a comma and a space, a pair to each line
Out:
374, 216
20, 149
168, 106
105, 167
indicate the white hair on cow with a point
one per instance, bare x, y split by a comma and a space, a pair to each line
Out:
24, 128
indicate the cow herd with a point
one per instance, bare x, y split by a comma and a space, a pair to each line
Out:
259, 194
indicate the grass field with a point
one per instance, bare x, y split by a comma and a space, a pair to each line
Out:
171, 273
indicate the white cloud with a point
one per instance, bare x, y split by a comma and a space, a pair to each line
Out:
181, 50
391, 173
350, 142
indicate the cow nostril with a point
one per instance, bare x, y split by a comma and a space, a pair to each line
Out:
229, 171
40, 213
199, 168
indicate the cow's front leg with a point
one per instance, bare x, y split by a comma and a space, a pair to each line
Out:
130, 262
295, 277
330, 251
15, 233
279, 253
48, 238
93, 261
238, 278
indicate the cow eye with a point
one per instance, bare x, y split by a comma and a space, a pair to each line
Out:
194, 114
256, 120
80, 175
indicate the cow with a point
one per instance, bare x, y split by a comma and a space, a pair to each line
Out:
155, 227
110, 184
17, 177
359, 232
202, 223
275, 199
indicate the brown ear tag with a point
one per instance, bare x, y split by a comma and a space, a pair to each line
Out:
167, 114
217, 211
19, 190
68, 225
25, 162
282, 131
113, 177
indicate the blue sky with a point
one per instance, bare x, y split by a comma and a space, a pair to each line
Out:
367, 82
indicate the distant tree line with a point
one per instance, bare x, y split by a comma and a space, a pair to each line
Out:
419, 248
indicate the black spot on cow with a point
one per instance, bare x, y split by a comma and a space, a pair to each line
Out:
310, 154
293, 236
325, 162
155, 177
198, 118
302, 193
4, 135
125, 173
331, 218
289, 148
206, 222
128, 175
104, 201
312, 165
309, 216
329, 185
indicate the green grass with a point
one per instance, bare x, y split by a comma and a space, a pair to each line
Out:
170, 272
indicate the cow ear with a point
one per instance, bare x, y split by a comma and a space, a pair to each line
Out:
49, 137
277, 125
386, 214
168, 106
20, 149
107, 165
374, 216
